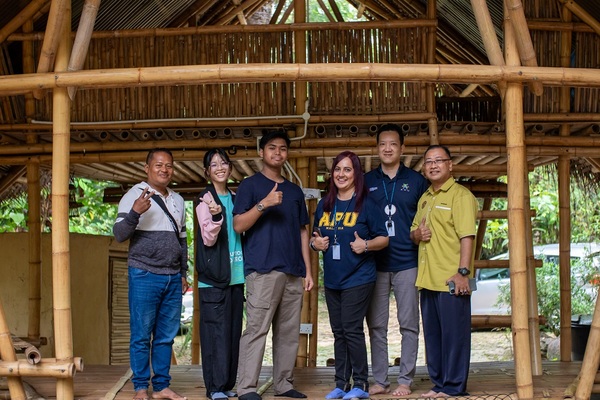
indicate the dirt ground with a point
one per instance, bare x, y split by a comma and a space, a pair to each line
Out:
485, 345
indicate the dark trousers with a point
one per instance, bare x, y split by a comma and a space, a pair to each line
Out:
447, 333
347, 310
221, 313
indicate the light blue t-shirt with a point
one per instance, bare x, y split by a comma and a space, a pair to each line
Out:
236, 258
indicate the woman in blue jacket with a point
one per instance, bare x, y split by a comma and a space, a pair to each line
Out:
220, 269
347, 230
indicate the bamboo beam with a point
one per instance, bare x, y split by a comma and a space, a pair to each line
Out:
582, 14
61, 276
12, 175
516, 228
21, 18
496, 214
198, 7
431, 38
523, 39
326, 11
235, 11
56, 20
333, 72
212, 29
559, 26
82, 39
500, 263
19, 368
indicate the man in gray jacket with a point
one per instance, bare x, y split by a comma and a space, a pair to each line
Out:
152, 217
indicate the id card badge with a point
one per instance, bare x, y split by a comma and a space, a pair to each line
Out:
336, 255
390, 228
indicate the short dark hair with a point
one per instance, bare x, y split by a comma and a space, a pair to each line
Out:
157, 150
211, 153
270, 135
391, 127
437, 146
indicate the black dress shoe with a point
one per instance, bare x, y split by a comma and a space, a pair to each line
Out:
294, 394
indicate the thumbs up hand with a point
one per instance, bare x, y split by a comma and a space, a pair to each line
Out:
319, 242
424, 231
359, 245
274, 197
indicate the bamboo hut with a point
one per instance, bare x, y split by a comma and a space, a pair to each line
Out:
87, 87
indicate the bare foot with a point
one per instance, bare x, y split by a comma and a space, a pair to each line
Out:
167, 393
402, 390
141, 395
441, 395
430, 395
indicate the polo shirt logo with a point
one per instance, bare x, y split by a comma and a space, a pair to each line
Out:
405, 187
372, 189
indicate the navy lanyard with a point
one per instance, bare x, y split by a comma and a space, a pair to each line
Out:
335, 221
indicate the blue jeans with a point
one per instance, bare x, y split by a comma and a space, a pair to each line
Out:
154, 312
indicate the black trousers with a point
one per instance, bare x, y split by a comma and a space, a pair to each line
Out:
347, 310
221, 313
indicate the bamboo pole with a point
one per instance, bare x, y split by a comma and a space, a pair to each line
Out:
303, 357
225, 29
517, 163
56, 20
7, 353
532, 298
523, 40
196, 313
82, 39
481, 229
18, 368
591, 359
34, 209
489, 37
564, 206
334, 72
21, 18
582, 14
61, 276
430, 87
314, 259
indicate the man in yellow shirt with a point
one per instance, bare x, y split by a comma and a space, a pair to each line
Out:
444, 228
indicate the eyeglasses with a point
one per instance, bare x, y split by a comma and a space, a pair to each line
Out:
438, 162
222, 164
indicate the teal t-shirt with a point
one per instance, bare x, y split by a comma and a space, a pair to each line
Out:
236, 258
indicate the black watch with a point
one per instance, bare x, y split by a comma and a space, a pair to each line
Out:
464, 271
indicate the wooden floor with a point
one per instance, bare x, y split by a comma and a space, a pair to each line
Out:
490, 380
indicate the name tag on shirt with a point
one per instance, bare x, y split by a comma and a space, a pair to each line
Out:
336, 255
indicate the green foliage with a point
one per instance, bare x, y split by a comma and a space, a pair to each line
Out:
315, 12
548, 287
93, 216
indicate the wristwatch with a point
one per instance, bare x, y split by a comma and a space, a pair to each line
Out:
260, 207
464, 271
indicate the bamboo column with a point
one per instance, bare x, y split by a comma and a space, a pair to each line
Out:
487, 203
314, 261
430, 87
7, 353
33, 203
61, 275
301, 97
82, 39
517, 163
196, 313
591, 359
564, 204
583, 15
532, 298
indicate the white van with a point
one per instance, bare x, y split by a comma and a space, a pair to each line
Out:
489, 280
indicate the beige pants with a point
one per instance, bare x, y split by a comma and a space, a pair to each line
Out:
274, 298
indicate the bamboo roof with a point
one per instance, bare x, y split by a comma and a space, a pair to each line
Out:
114, 126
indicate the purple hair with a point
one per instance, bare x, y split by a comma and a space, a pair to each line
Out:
359, 182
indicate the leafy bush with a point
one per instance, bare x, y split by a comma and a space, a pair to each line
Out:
583, 298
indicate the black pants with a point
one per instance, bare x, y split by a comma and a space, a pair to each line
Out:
221, 313
347, 310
